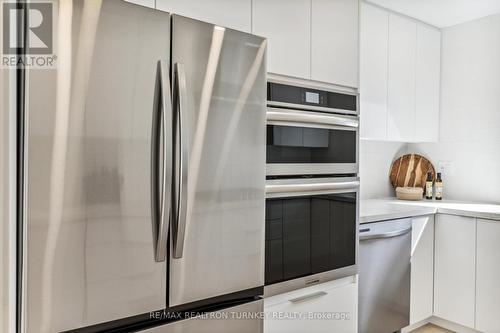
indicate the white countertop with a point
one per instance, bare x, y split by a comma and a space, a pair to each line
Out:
390, 208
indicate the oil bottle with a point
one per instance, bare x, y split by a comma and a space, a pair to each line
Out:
439, 187
428, 186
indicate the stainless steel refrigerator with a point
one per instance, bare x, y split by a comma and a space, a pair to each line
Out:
144, 174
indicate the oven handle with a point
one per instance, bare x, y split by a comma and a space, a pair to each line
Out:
310, 118
311, 187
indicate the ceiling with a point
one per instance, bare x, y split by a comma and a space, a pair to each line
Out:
442, 13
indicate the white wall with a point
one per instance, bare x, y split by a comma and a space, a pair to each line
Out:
470, 112
375, 158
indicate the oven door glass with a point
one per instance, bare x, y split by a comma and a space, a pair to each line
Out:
309, 234
289, 144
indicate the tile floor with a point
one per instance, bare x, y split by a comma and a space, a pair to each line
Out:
429, 328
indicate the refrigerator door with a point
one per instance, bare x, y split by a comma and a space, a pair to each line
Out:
90, 250
219, 93
246, 318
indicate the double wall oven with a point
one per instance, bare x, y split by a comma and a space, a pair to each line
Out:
312, 185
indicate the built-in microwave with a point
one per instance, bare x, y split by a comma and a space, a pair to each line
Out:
311, 231
311, 131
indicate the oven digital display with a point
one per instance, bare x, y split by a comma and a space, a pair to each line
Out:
312, 97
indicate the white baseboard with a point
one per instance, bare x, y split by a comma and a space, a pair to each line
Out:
449, 325
416, 325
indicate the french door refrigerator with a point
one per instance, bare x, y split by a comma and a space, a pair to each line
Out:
144, 174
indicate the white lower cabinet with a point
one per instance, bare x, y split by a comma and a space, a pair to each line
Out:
455, 267
327, 307
488, 276
422, 268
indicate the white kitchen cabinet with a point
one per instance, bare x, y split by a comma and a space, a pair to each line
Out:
374, 39
400, 65
401, 78
334, 41
428, 67
145, 3
287, 26
422, 268
234, 14
488, 276
454, 270
335, 298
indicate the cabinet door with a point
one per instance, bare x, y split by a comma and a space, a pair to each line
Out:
145, 3
374, 36
291, 312
454, 272
234, 14
422, 268
488, 276
428, 75
288, 29
334, 43
401, 84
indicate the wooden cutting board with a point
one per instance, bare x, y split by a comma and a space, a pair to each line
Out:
411, 171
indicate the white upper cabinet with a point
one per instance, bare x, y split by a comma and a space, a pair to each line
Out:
334, 41
400, 63
234, 14
455, 267
427, 84
287, 26
374, 40
488, 276
145, 3
401, 78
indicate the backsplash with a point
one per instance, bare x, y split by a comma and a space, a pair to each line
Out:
375, 158
470, 118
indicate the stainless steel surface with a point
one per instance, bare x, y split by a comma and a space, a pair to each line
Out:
310, 108
327, 185
288, 117
386, 234
308, 297
299, 283
289, 169
384, 277
224, 236
294, 81
160, 197
246, 318
279, 188
89, 255
181, 202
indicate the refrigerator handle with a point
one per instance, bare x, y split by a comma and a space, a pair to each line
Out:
160, 189
180, 101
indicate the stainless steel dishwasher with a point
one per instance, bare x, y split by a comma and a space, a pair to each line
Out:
384, 276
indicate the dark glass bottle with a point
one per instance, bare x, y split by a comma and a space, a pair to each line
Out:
439, 187
428, 186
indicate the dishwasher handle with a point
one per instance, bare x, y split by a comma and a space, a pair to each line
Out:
386, 234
